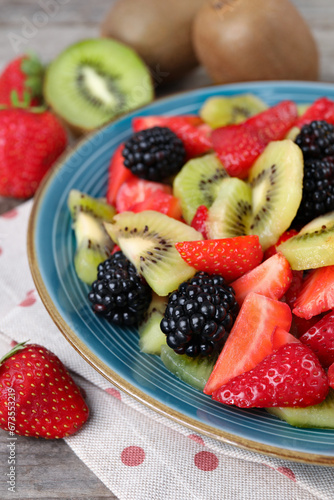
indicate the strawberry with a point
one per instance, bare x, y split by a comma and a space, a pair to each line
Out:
229, 257
117, 174
291, 376
199, 220
330, 375
284, 237
38, 396
317, 293
159, 201
135, 190
250, 339
23, 75
272, 278
196, 139
30, 142
294, 289
238, 146
321, 109
320, 339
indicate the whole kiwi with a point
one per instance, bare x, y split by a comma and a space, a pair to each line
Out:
159, 31
242, 40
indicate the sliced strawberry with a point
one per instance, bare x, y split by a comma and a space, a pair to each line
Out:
294, 289
284, 237
199, 220
135, 191
229, 257
143, 122
317, 293
250, 340
159, 201
238, 146
272, 278
320, 339
117, 174
196, 139
281, 337
291, 376
321, 109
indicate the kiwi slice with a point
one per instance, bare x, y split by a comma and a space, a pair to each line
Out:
148, 240
151, 338
93, 243
320, 415
197, 184
230, 213
313, 246
93, 81
276, 179
193, 371
221, 111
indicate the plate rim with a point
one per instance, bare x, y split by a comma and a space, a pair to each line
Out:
88, 355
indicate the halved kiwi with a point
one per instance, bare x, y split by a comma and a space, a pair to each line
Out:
221, 111
151, 337
313, 246
94, 81
93, 243
276, 179
148, 240
197, 184
320, 415
230, 213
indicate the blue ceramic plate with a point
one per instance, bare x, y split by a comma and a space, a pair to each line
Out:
114, 351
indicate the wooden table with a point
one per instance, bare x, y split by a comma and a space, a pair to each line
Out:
49, 469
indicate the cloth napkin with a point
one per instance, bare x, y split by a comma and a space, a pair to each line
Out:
137, 453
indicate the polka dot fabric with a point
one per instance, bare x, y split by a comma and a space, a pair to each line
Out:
136, 452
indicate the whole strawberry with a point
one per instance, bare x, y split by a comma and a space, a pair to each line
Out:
24, 75
38, 396
291, 376
30, 142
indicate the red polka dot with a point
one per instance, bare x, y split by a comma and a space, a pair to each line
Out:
114, 392
1, 250
132, 456
29, 300
197, 439
287, 472
13, 343
205, 460
11, 214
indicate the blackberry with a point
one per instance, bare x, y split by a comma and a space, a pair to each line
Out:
318, 191
119, 293
199, 315
316, 140
154, 154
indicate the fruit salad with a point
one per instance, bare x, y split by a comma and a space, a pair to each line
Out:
215, 240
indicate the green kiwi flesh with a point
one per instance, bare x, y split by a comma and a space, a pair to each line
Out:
230, 212
93, 244
151, 338
221, 111
313, 246
276, 179
148, 240
192, 371
320, 415
197, 184
94, 81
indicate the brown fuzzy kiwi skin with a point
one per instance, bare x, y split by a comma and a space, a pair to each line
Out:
159, 31
242, 40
